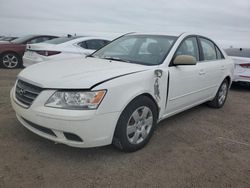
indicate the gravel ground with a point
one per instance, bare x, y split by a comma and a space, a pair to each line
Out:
201, 147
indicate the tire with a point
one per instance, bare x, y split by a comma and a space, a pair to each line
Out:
221, 96
10, 60
136, 125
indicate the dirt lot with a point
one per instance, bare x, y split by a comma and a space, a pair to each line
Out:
201, 147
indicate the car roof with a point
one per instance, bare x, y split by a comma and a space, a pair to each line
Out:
174, 34
89, 38
75, 39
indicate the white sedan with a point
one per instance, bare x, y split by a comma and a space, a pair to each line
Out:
62, 48
241, 58
119, 93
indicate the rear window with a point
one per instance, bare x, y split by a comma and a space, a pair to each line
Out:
238, 52
22, 39
60, 40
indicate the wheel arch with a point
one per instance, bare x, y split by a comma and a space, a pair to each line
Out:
228, 78
153, 100
115, 137
145, 94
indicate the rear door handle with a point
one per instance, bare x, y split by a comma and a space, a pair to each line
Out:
201, 72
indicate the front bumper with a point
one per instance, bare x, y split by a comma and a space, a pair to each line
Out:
92, 128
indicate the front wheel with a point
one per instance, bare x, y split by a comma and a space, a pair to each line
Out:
10, 61
221, 96
136, 124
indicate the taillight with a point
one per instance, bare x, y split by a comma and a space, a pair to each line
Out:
48, 53
247, 65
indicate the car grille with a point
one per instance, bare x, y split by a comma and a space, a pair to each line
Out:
26, 93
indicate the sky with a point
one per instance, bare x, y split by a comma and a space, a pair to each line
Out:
226, 22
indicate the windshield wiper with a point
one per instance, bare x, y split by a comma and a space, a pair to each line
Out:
116, 59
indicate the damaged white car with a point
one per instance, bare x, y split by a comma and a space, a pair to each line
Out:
119, 93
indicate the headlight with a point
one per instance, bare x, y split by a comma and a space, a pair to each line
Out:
76, 100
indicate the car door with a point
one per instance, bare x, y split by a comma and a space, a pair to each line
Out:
186, 82
213, 63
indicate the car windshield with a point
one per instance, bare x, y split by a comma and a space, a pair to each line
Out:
240, 52
139, 49
60, 40
22, 40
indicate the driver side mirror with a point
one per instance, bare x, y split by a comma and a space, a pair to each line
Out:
184, 60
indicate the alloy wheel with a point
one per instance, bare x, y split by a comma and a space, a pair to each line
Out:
10, 61
222, 93
139, 125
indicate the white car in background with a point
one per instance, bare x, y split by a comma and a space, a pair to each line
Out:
120, 92
62, 48
241, 58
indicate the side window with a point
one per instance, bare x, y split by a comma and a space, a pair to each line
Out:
208, 48
189, 47
94, 44
46, 38
82, 44
219, 54
51, 37
38, 39
34, 40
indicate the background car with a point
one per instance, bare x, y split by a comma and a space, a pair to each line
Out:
11, 53
241, 58
62, 48
3, 39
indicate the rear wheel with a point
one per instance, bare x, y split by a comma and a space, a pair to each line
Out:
221, 96
136, 125
10, 60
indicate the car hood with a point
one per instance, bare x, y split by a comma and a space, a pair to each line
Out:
77, 73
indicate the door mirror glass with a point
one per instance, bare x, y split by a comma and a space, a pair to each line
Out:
184, 60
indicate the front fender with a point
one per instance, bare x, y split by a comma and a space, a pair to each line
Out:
122, 90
